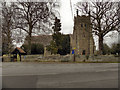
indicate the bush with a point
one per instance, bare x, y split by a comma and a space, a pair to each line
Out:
36, 48
115, 49
106, 49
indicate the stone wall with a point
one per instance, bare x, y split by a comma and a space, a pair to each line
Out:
67, 58
101, 58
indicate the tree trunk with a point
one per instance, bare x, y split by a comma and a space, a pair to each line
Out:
29, 44
29, 39
100, 44
9, 44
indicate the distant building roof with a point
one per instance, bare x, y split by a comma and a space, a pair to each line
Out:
17, 49
42, 39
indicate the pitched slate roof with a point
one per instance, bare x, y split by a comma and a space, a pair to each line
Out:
42, 39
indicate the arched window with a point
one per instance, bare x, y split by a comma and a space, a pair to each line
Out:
81, 25
83, 34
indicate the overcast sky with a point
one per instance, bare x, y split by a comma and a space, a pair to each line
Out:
67, 12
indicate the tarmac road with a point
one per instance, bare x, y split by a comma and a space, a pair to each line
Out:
59, 75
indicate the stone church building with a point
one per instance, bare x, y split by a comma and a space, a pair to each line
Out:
82, 39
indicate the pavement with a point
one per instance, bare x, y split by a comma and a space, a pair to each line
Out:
59, 75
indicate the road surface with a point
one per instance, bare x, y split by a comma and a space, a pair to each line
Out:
59, 75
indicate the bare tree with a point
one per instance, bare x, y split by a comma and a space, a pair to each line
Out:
7, 23
104, 17
119, 22
32, 16
0, 30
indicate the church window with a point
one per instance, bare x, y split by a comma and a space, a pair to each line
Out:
83, 35
81, 25
85, 25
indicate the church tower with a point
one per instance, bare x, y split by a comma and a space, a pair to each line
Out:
82, 39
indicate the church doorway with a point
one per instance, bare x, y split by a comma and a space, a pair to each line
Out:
83, 52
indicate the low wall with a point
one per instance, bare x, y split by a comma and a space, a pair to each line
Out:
99, 58
67, 58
